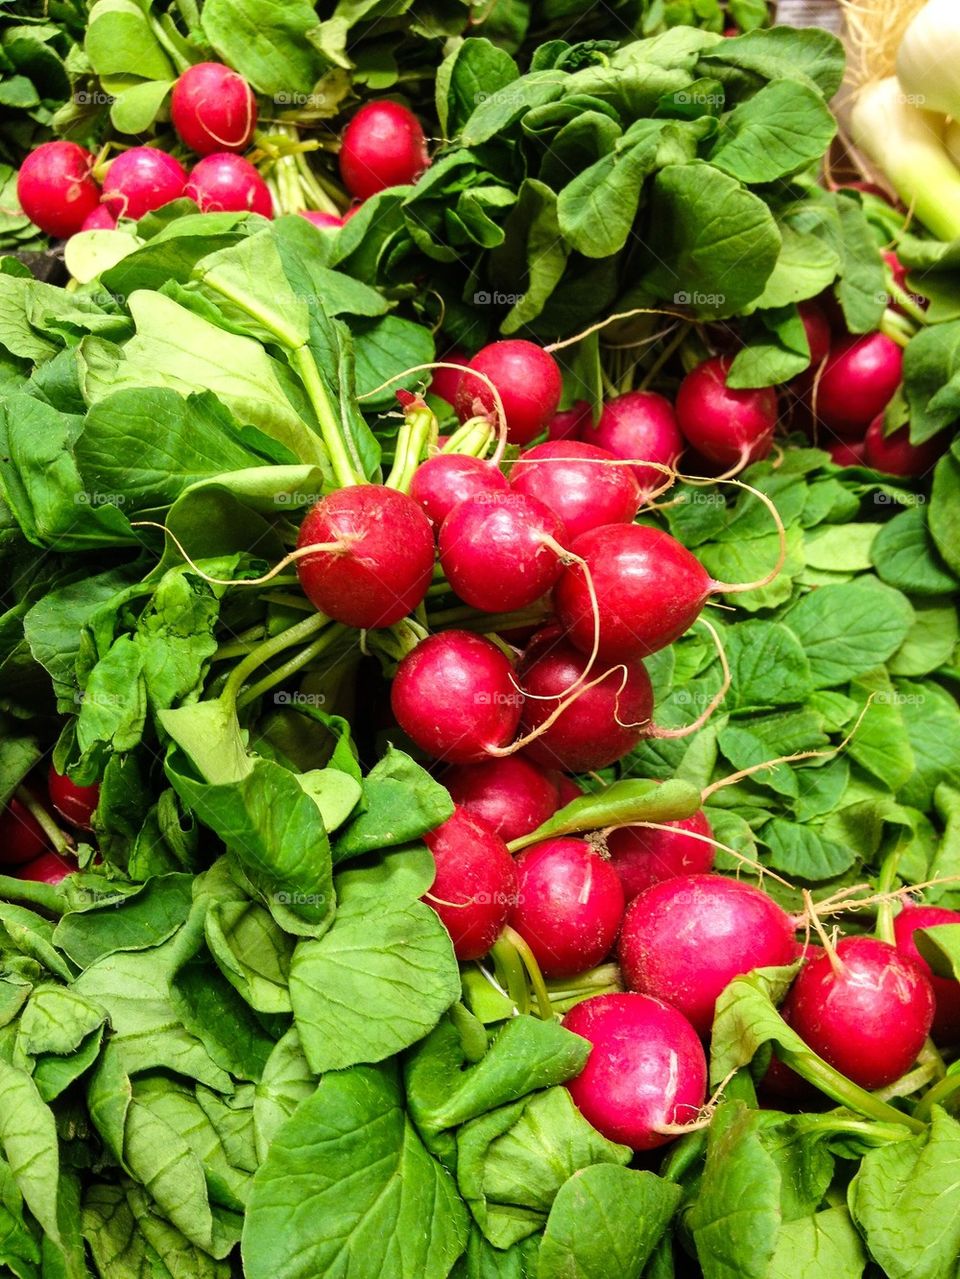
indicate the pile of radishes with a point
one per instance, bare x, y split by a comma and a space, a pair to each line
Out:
31, 845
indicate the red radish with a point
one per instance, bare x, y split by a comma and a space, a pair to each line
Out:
381, 558
500, 551
528, 380
646, 1071
643, 857
101, 219
140, 180
21, 835
858, 382
475, 886
569, 424
816, 326
76, 804
456, 698
787, 1086
725, 426
580, 483
567, 790
600, 724
445, 381
56, 189
50, 868
866, 1010
946, 990
569, 905
382, 146
447, 479
227, 183
640, 424
684, 940
510, 795
321, 219
848, 453
895, 455
213, 109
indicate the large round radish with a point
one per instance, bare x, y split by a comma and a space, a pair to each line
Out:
76, 804
382, 146
213, 109
684, 940
445, 381
456, 698
569, 423
569, 905
49, 868
510, 795
639, 425
444, 481
528, 380
475, 885
866, 1010
858, 382
725, 426
643, 857
580, 483
56, 188
895, 455
227, 183
21, 835
380, 557
140, 180
646, 1071
946, 990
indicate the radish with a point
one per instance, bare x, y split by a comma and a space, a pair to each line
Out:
646, 1071
640, 424
894, 454
580, 483
213, 109
321, 219
76, 804
946, 990
569, 905
455, 696
865, 1009
447, 479
21, 835
816, 326
378, 560
848, 453
101, 219
445, 381
858, 382
382, 146
501, 552
567, 790
684, 940
140, 180
511, 796
725, 426
600, 724
475, 886
50, 868
643, 857
569, 424
56, 188
528, 380
227, 183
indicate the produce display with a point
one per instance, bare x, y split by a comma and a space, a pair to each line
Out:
479, 739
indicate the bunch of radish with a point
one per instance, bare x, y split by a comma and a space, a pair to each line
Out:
32, 846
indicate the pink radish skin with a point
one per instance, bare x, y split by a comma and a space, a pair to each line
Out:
569, 905
50, 868
858, 382
643, 857
382, 146
567, 790
445, 381
322, 220
511, 796
724, 425
444, 481
227, 183
816, 326
580, 483
895, 455
21, 837
528, 380
141, 180
56, 188
569, 424
946, 991
475, 886
456, 698
869, 1018
213, 109
385, 564
646, 1071
684, 940
848, 453
640, 424
76, 804
101, 219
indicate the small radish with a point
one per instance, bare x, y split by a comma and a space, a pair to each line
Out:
140, 180
101, 219
475, 886
50, 868
227, 183
76, 804
684, 940
848, 453
321, 219
946, 990
857, 383
382, 146
528, 380
899, 273
569, 423
511, 796
646, 1071
643, 857
21, 835
380, 557
569, 905
56, 188
894, 454
725, 426
445, 381
455, 696
213, 109
816, 326
580, 483
447, 479
865, 1009
501, 551
639, 425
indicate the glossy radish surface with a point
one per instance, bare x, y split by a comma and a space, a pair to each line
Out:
445, 381
724, 425
510, 795
21, 835
567, 789
56, 188
76, 804
569, 423
643, 857
895, 455
455, 697
382, 146
475, 887
646, 1071
140, 180
213, 109
384, 562
946, 990
528, 380
444, 481
227, 183
848, 453
640, 424
580, 483
101, 219
49, 868
569, 905
857, 383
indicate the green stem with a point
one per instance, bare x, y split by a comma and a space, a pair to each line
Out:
875, 1133
61, 844
472, 439
664, 355
906, 303
510, 974
885, 881
289, 601
346, 469
529, 961
844, 1091
896, 327
48, 897
468, 619
295, 634
315, 189
936, 1096
172, 52
288, 185
419, 430
292, 665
